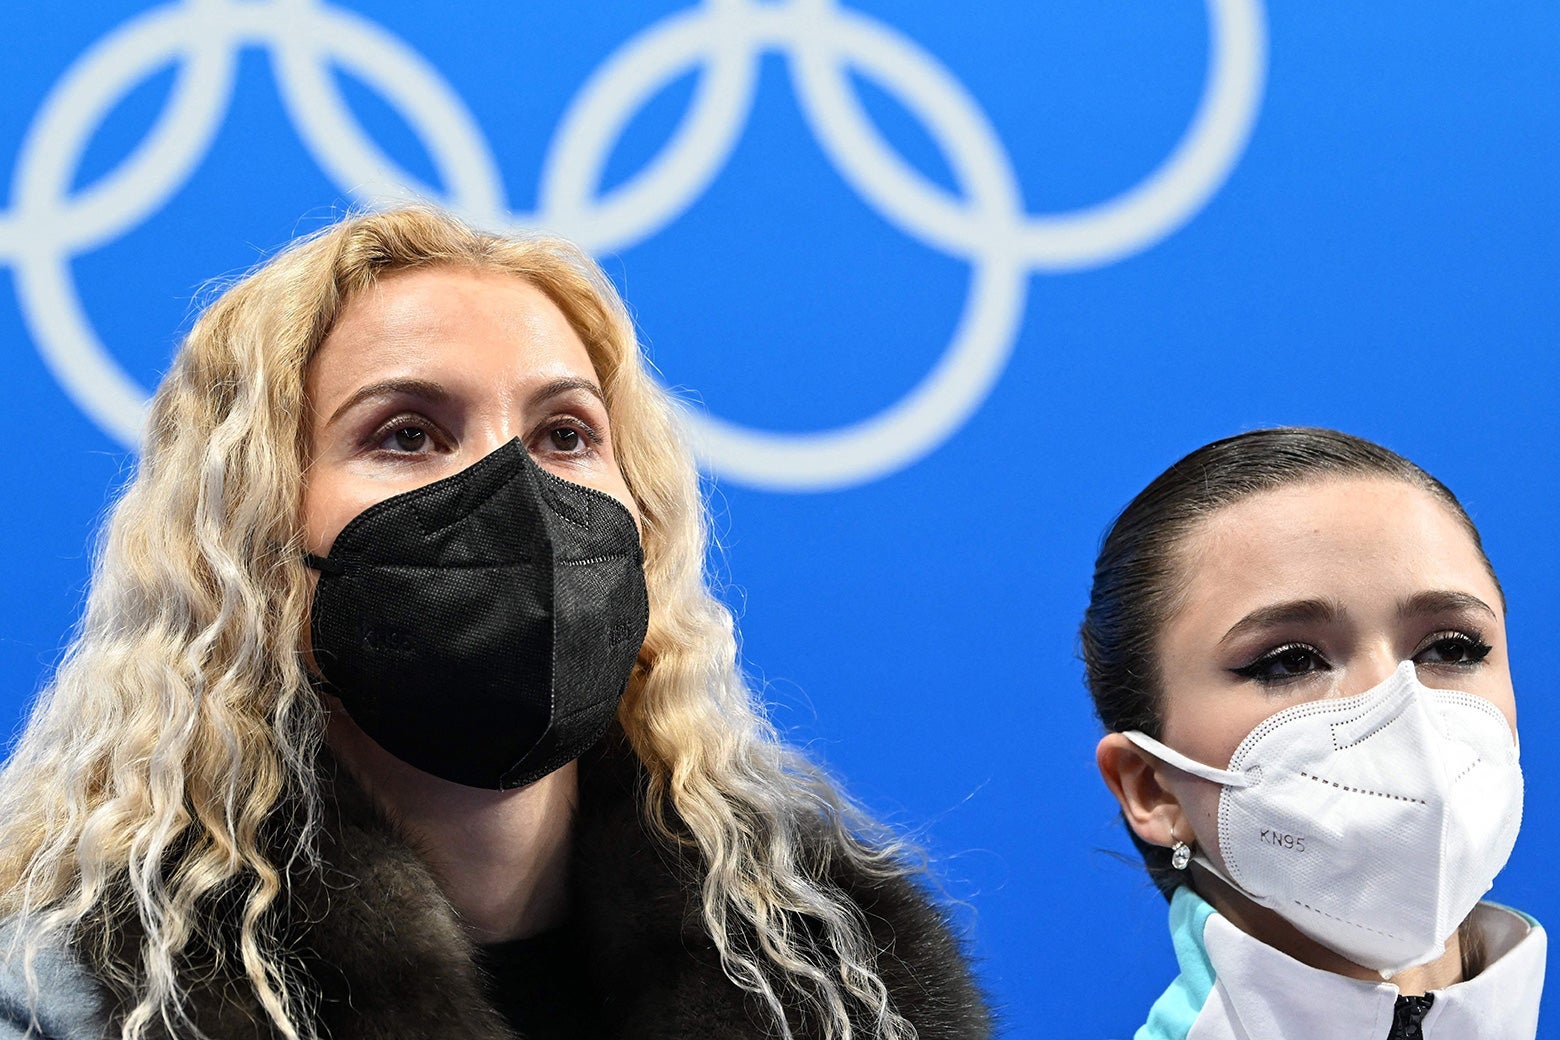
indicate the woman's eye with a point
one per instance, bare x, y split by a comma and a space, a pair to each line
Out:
564, 436
1284, 663
404, 438
1453, 648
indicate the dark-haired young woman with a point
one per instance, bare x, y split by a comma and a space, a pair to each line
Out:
1298, 647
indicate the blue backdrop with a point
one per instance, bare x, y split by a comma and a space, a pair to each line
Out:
950, 283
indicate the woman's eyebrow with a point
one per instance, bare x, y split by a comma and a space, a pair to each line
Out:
433, 393
1313, 611
565, 385
1443, 601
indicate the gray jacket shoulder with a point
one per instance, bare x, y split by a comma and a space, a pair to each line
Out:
68, 1003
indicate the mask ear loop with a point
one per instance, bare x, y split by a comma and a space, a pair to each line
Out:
1170, 756
1182, 854
325, 564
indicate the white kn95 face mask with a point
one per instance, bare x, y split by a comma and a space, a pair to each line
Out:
1372, 823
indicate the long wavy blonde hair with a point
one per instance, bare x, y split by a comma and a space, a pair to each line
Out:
181, 722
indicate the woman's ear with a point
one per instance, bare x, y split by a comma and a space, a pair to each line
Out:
1134, 777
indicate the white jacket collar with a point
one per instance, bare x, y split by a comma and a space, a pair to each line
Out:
1260, 992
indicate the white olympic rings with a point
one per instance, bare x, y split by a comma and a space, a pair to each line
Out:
984, 222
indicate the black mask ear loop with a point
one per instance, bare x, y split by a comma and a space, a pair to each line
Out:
325, 565
335, 568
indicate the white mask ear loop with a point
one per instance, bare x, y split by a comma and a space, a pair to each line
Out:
1171, 756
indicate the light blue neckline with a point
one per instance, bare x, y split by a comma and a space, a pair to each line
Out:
1173, 1013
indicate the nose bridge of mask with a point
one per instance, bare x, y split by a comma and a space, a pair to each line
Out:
1465, 728
1379, 706
465, 518
458, 496
488, 506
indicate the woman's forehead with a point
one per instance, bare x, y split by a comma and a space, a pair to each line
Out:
1362, 539
485, 327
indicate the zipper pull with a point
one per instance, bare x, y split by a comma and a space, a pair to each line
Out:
1408, 1017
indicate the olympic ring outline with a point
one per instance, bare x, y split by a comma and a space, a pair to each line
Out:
986, 224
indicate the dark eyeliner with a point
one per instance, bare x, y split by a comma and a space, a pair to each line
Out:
1255, 671
1472, 642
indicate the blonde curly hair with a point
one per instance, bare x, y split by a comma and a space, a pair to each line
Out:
181, 721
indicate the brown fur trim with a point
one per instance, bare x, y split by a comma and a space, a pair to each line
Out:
384, 958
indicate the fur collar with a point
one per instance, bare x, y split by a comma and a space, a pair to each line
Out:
389, 961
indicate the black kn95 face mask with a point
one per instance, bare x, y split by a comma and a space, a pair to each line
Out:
482, 628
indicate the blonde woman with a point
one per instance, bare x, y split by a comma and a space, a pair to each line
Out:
400, 707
